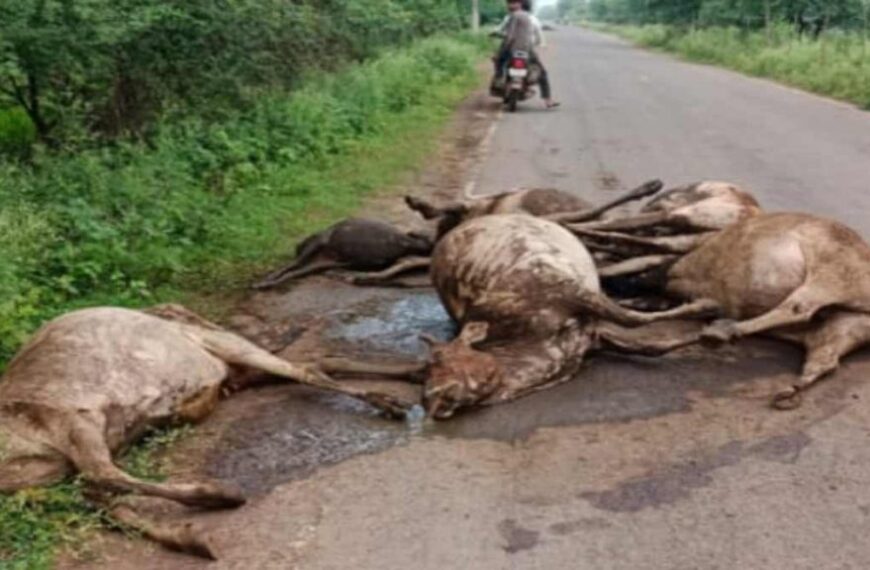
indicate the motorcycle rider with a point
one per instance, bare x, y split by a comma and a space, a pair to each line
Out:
522, 32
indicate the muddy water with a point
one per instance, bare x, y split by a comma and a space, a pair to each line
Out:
394, 326
288, 432
281, 434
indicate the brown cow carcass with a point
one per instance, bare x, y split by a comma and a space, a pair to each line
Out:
796, 277
673, 223
548, 203
92, 382
527, 296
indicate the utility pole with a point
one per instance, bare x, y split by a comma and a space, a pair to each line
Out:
475, 15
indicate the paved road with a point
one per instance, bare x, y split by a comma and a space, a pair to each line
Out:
670, 464
630, 115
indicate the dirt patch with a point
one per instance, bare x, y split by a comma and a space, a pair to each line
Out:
516, 537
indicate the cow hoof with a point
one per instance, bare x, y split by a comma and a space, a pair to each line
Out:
220, 496
719, 333
191, 540
787, 400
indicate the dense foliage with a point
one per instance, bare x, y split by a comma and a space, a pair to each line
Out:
838, 67
818, 45
807, 16
133, 131
100, 68
117, 222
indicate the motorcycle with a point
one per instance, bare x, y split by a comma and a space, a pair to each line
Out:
519, 80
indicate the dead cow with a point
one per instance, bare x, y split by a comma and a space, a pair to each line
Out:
542, 202
358, 244
526, 294
672, 224
91, 382
794, 276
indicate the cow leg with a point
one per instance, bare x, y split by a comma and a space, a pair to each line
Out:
182, 537
307, 251
385, 276
604, 307
637, 222
799, 307
289, 274
91, 455
635, 265
410, 372
643, 191
236, 350
664, 244
431, 212
647, 341
839, 335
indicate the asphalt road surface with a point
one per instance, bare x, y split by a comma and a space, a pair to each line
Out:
630, 115
669, 464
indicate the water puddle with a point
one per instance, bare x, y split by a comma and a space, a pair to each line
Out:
290, 434
394, 326
280, 435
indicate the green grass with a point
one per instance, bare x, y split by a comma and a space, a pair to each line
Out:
35, 522
17, 133
202, 211
206, 206
837, 65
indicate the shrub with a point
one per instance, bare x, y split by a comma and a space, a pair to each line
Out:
121, 224
17, 134
838, 65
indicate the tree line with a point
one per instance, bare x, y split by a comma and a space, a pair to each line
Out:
85, 70
809, 17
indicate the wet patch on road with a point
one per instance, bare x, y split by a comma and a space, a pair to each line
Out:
280, 435
286, 436
616, 389
676, 482
516, 537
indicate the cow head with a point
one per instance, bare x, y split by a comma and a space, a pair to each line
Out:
459, 375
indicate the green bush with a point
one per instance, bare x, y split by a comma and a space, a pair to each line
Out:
838, 65
123, 223
17, 134
102, 69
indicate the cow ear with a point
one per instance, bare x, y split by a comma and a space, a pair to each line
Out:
474, 333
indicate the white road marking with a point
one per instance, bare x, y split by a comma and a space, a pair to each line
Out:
482, 153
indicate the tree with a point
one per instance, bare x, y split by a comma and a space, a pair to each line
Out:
82, 69
570, 9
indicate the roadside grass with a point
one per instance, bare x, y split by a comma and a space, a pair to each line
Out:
198, 213
35, 522
17, 133
837, 65
205, 206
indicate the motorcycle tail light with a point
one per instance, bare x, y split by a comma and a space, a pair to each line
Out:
519, 64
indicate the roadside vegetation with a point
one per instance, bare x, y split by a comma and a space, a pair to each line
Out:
151, 149
821, 46
155, 151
